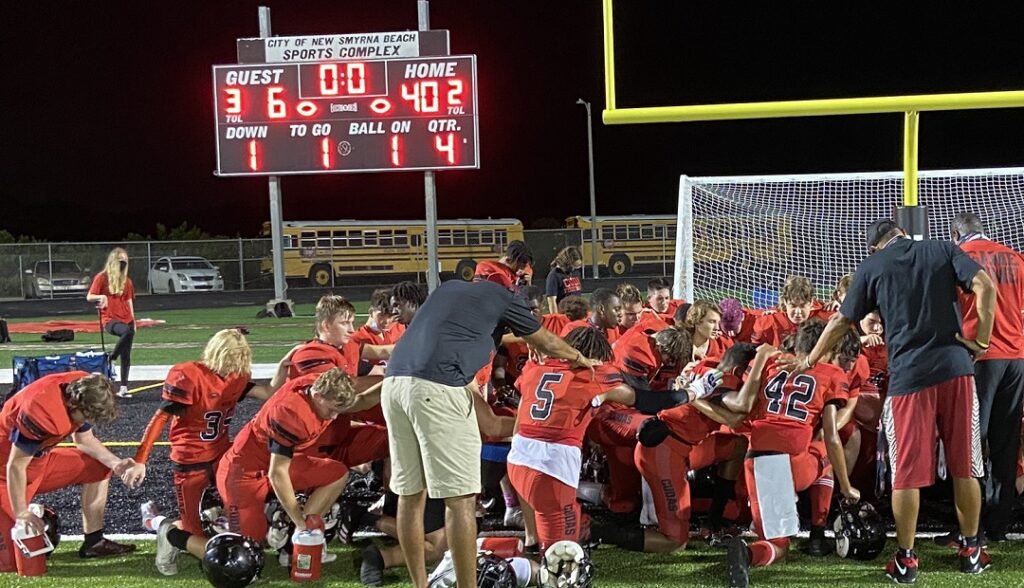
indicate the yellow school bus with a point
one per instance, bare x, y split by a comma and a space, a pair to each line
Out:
626, 242
325, 251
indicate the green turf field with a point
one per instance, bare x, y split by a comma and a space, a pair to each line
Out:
184, 335
695, 567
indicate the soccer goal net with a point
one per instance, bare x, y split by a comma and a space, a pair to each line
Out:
742, 236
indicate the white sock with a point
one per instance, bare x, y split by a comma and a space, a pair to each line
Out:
523, 569
152, 524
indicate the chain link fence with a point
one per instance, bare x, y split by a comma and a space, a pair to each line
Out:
45, 270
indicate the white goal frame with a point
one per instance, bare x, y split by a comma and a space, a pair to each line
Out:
683, 277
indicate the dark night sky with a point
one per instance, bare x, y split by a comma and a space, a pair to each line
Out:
108, 124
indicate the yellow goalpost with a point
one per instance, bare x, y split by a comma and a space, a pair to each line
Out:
910, 106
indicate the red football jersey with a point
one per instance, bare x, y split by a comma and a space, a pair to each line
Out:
859, 376
717, 347
788, 408
117, 306
316, 357
497, 272
554, 322
555, 405
287, 419
690, 424
38, 414
746, 332
517, 355
635, 351
200, 433
1006, 268
364, 335
878, 364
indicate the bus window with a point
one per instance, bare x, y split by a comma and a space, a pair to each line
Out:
458, 237
369, 238
308, 239
607, 233
646, 231
339, 239
487, 237
444, 237
415, 240
472, 237
633, 232
621, 234
402, 239
659, 231
385, 239
355, 238
671, 232
501, 237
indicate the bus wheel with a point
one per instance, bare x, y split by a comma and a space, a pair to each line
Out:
320, 275
618, 265
465, 270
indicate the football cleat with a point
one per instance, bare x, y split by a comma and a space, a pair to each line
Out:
860, 531
566, 565
973, 560
817, 545
513, 517
232, 561
443, 575
166, 554
738, 564
901, 569
371, 569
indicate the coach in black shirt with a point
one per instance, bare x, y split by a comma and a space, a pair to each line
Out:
913, 285
432, 428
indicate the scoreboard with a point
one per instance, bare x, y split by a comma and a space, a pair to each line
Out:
346, 116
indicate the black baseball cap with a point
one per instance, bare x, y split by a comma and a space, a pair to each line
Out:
879, 229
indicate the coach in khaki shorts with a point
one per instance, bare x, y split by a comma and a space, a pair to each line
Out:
432, 429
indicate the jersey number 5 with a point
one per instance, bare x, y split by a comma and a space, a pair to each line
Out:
214, 419
541, 410
802, 392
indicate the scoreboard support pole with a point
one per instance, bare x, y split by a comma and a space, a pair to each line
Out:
429, 188
276, 229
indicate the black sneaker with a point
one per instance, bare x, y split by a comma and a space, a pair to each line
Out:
973, 560
902, 570
348, 520
817, 545
371, 570
952, 540
738, 564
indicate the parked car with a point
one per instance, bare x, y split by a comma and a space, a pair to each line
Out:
184, 274
57, 277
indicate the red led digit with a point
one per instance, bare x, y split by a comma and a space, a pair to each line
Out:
234, 100
356, 75
396, 150
454, 92
447, 146
306, 108
428, 96
380, 105
329, 79
276, 108
412, 95
254, 156
325, 153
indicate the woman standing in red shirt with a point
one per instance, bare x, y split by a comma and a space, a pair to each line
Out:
113, 293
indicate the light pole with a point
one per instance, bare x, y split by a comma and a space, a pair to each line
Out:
593, 201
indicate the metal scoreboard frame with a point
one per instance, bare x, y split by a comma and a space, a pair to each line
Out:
387, 127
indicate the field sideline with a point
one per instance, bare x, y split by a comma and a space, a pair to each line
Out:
697, 567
